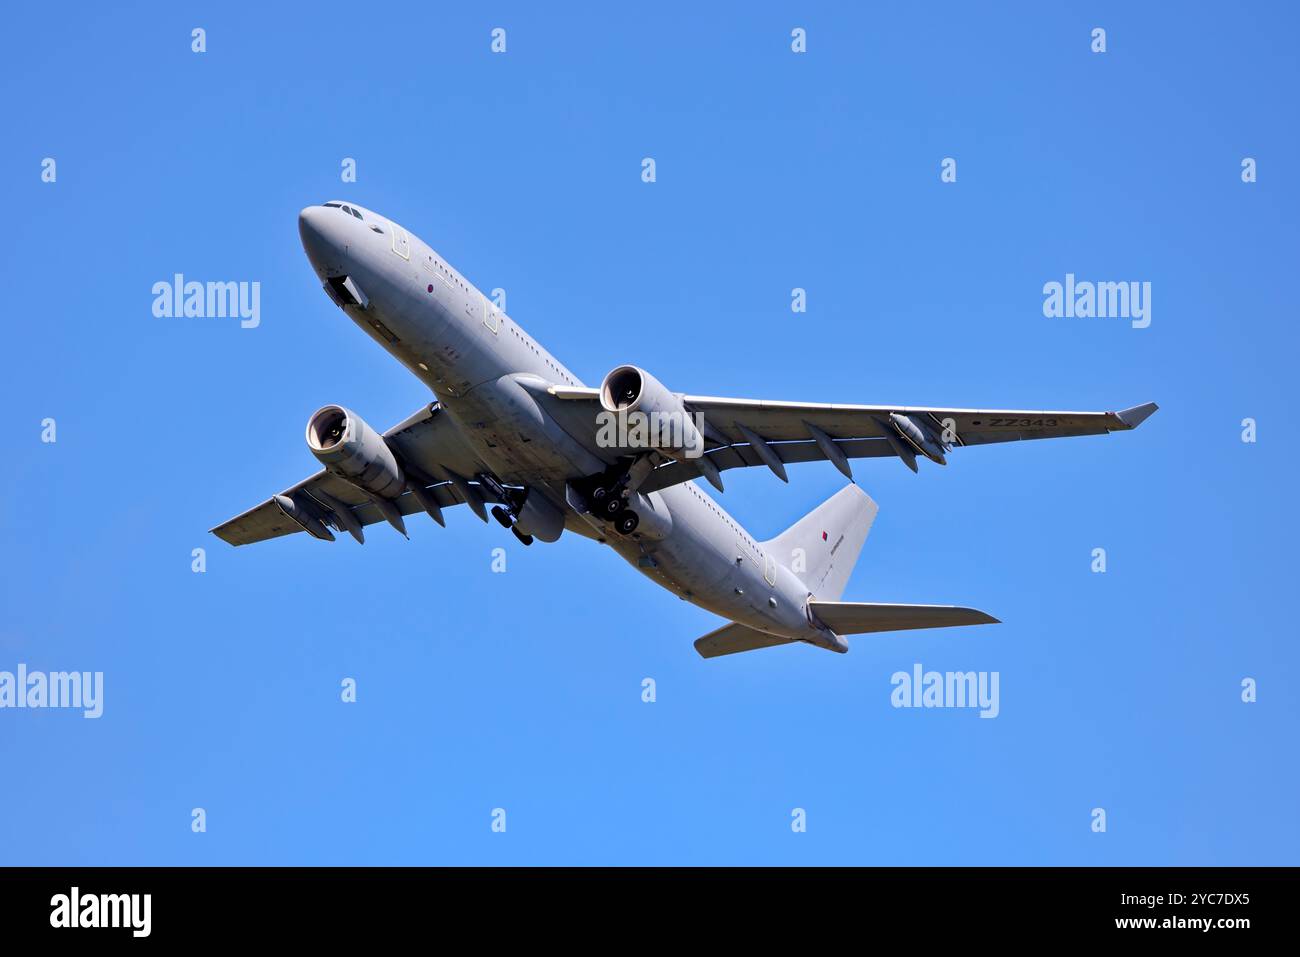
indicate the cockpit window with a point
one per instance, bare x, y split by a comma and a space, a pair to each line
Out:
346, 209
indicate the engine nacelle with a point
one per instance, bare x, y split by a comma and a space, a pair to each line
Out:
640, 413
355, 452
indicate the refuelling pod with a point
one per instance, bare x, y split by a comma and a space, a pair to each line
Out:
920, 436
302, 515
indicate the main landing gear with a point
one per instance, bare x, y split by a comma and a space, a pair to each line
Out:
607, 502
507, 521
606, 499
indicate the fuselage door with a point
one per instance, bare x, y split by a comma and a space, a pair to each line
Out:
491, 315
401, 241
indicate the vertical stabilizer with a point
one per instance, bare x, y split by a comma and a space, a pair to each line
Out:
823, 546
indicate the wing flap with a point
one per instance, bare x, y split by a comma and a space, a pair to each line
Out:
744, 456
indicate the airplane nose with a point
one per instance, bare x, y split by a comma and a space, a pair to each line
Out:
321, 240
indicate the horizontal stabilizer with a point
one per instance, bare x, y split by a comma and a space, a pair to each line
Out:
733, 638
860, 618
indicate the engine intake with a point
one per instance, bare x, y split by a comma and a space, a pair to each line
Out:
640, 413
343, 443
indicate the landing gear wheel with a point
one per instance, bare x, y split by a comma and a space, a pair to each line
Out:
626, 522
526, 539
610, 506
502, 516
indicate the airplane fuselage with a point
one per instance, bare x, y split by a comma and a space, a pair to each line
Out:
488, 374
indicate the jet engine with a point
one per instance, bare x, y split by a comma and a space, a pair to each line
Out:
355, 452
644, 414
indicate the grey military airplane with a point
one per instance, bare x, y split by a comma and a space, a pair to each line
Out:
509, 426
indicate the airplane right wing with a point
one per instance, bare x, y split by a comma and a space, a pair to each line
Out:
751, 432
744, 433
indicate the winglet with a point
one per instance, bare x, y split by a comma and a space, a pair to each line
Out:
1135, 416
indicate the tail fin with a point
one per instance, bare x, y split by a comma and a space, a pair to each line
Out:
823, 546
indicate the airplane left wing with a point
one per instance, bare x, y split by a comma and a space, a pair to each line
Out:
434, 458
307, 501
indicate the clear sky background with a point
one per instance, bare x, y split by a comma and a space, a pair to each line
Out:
522, 690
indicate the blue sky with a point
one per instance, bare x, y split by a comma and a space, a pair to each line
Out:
775, 170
